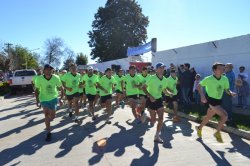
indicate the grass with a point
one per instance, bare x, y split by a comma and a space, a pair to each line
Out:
239, 121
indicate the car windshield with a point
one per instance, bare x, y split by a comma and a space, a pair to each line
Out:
25, 73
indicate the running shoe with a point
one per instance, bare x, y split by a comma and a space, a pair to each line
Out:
158, 140
199, 131
48, 137
218, 137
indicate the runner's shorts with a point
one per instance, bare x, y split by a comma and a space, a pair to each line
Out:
75, 95
52, 104
169, 99
90, 97
105, 98
154, 105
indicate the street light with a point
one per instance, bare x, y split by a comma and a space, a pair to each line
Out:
26, 60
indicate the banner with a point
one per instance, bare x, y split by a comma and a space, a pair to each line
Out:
131, 51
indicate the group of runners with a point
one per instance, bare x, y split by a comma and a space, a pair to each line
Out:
142, 91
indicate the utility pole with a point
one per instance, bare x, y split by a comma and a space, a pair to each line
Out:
8, 46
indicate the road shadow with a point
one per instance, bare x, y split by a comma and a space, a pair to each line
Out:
76, 134
17, 130
219, 159
184, 127
119, 141
146, 159
239, 145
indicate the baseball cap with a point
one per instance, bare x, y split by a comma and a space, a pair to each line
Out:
90, 68
160, 64
47, 66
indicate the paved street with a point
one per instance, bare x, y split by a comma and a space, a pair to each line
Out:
22, 140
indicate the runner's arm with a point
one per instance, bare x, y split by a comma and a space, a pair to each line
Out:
230, 93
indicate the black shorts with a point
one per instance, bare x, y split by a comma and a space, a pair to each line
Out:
145, 96
81, 94
105, 98
70, 97
90, 97
118, 91
169, 99
213, 101
132, 97
154, 105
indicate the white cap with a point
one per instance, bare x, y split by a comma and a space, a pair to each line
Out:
90, 68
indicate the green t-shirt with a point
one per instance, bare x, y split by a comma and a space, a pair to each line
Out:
90, 83
155, 86
118, 80
71, 81
143, 80
171, 85
106, 83
48, 88
34, 79
215, 87
129, 82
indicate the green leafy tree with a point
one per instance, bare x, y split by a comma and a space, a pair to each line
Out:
117, 26
81, 59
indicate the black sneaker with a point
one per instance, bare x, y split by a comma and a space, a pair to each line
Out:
108, 122
48, 137
94, 118
70, 114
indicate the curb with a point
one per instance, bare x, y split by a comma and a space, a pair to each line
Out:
213, 124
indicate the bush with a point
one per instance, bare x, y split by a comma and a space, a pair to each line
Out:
4, 88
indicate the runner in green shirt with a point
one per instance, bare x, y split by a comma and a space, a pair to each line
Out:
90, 81
215, 86
172, 81
118, 88
130, 85
144, 77
71, 82
33, 81
46, 93
154, 88
82, 93
106, 85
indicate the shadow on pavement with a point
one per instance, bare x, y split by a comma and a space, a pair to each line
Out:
219, 159
119, 141
239, 146
17, 130
146, 159
76, 134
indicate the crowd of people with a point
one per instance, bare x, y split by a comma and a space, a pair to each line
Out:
148, 90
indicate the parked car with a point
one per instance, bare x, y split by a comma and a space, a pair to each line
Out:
21, 80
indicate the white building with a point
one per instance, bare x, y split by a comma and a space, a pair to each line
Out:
234, 50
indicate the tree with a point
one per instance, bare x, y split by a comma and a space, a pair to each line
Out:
81, 59
70, 58
117, 26
54, 51
18, 57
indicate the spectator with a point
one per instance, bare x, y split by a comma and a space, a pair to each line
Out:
186, 83
195, 89
227, 102
243, 91
191, 94
242, 73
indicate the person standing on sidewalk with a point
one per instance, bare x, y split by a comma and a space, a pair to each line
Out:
227, 101
215, 85
47, 94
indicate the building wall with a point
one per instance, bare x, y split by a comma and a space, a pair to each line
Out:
201, 56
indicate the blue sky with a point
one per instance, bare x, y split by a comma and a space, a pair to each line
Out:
175, 23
